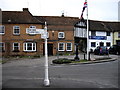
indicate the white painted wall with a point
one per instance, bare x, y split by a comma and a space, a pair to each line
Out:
82, 33
99, 33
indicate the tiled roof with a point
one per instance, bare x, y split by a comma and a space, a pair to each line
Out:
101, 25
55, 22
59, 22
19, 17
104, 25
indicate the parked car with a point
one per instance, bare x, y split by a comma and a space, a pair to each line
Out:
115, 49
101, 50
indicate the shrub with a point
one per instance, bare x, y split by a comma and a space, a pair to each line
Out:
61, 61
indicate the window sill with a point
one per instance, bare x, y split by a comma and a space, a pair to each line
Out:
61, 38
61, 51
2, 34
16, 34
31, 34
29, 51
69, 50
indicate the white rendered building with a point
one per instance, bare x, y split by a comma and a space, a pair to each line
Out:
100, 34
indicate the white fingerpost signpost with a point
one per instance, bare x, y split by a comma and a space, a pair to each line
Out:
46, 80
44, 36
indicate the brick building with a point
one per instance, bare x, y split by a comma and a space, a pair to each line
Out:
61, 33
15, 40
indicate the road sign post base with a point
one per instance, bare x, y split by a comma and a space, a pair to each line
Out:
46, 83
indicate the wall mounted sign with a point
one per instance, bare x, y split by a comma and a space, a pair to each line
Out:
98, 37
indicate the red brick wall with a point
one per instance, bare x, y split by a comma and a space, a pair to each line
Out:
9, 38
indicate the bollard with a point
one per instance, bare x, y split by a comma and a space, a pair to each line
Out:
84, 56
89, 56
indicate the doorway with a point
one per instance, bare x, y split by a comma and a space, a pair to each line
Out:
118, 42
50, 49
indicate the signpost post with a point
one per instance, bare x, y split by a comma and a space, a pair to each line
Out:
46, 80
43, 33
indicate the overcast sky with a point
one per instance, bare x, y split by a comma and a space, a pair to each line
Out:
106, 10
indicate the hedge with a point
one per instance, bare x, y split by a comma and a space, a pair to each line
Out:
61, 61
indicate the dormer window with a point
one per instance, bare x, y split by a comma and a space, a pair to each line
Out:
61, 35
107, 33
2, 29
16, 30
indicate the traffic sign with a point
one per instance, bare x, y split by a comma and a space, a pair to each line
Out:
44, 35
40, 31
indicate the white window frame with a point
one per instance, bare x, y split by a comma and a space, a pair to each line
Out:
67, 46
109, 43
61, 33
59, 46
14, 27
1, 27
3, 46
32, 27
25, 47
14, 46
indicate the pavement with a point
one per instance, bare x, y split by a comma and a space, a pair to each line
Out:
24, 61
37, 82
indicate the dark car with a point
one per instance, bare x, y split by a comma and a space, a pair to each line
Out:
115, 49
101, 50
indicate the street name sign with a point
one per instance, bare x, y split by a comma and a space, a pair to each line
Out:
34, 31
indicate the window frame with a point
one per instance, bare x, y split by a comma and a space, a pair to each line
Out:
101, 43
108, 33
62, 47
3, 30
93, 33
14, 46
32, 27
67, 46
92, 44
14, 28
107, 44
61, 33
25, 46
3, 46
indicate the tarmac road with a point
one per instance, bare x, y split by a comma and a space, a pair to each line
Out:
30, 74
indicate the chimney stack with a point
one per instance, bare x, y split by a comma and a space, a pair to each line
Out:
25, 9
62, 14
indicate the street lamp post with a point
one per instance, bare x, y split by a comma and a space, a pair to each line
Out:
46, 80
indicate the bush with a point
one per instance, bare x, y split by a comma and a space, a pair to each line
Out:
61, 61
